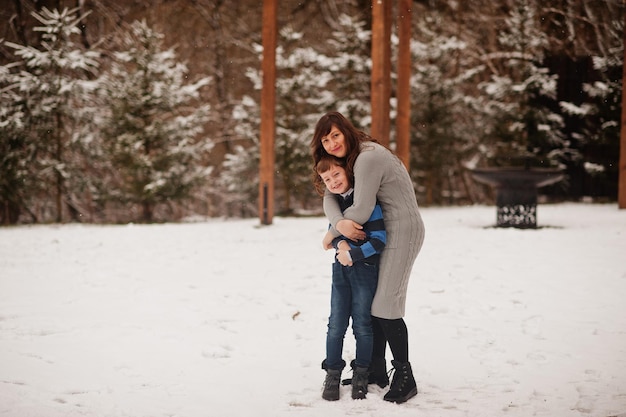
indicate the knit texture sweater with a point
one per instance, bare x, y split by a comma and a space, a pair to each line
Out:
380, 176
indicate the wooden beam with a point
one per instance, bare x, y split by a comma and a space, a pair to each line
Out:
403, 89
621, 187
387, 71
268, 111
381, 70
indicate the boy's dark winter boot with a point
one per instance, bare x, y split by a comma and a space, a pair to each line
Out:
403, 385
331, 385
359, 382
378, 372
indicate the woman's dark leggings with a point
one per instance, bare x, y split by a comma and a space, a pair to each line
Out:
393, 332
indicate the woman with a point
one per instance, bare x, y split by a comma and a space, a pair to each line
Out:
378, 175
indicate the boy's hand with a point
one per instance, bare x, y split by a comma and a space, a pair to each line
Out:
342, 253
343, 257
327, 242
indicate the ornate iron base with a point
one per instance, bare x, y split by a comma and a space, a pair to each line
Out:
522, 216
516, 192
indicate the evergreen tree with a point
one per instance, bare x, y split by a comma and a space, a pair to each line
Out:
350, 65
42, 96
600, 113
300, 92
152, 125
522, 95
444, 116
301, 86
15, 186
309, 83
239, 179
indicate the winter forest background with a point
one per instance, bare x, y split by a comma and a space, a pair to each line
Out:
118, 111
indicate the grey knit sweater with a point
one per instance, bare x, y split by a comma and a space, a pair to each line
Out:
379, 174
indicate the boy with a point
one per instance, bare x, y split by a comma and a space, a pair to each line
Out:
355, 276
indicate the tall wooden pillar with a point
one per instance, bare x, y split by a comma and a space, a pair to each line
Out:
381, 70
621, 182
381, 75
268, 111
403, 90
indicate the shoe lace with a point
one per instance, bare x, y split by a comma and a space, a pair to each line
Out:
331, 380
398, 379
348, 381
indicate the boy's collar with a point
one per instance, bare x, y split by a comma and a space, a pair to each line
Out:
347, 193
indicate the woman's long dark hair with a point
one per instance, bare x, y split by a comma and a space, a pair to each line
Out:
353, 138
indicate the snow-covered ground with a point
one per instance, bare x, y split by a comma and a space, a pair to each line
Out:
226, 318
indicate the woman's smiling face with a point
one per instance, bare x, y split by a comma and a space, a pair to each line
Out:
334, 143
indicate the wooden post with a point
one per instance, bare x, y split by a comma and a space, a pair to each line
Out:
621, 182
381, 70
403, 90
387, 72
268, 111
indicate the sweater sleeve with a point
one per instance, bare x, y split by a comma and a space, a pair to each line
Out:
332, 211
376, 237
368, 175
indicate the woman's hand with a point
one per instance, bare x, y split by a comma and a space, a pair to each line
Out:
350, 229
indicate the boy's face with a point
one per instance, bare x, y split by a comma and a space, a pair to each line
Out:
336, 180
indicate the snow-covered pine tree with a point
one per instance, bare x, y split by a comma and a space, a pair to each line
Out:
522, 95
309, 83
350, 64
239, 179
301, 84
41, 141
151, 125
15, 187
301, 93
600, 114
444, 116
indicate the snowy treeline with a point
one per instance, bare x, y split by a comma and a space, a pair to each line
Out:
128, 137
119, 130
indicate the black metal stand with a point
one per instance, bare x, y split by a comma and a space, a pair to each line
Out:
516, 192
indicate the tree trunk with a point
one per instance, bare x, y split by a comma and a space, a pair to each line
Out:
403, 89
147, 212
59, 175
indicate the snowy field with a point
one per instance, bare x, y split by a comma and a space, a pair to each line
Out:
225, 318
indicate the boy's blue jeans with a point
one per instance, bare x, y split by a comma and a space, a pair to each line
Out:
352, 293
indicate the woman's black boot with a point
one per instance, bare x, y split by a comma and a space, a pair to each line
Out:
403, 385
378, 372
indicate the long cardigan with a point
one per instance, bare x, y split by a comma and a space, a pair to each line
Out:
380, 175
